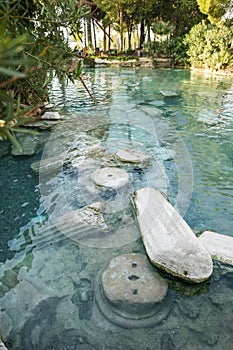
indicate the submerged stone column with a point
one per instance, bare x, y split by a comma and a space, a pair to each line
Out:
130, 292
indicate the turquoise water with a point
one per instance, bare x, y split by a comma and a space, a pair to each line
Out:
201, 117
50, 266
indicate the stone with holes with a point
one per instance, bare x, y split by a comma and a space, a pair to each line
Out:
132, 286
169, 241
110, 177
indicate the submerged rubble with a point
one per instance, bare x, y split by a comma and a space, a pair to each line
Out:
86, 271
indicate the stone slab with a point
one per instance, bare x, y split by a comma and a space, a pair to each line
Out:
51, 116
110, 177
170, 243
132, 156
43, 124
169, 93
130, 279
131, 293
219, 246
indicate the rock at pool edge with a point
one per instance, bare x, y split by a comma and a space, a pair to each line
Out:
219, 246
170, 243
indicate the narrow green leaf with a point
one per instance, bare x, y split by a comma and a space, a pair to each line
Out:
3, 135
14, 141
12, 73
4, 96
25, 131
12, 61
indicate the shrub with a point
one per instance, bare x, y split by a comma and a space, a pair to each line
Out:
208, 46
33, 48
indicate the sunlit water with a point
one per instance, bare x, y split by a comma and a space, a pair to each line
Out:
50, 273
201, 116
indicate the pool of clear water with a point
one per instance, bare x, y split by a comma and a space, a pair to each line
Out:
50, 266
200, 117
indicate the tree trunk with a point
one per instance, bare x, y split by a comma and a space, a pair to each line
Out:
85, 33
94, 34
105, 40
121, 28
89, 32
129, 39
109, 38
142, 34
148, 29
129, 30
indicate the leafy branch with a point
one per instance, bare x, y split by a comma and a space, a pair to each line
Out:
33, 49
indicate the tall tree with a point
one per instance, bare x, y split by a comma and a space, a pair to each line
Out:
119, 13
182, 14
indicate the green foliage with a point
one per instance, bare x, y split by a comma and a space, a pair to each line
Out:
161, 28
208, 46
181, 14
131, 12
122, 58
130, 52
161, 46
179, 51
33, 49
175, 49
160, 49
10, 111
215, 9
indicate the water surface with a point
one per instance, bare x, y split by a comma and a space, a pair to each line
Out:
50, 269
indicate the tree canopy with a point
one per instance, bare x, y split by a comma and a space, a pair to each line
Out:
181, 14
215, 9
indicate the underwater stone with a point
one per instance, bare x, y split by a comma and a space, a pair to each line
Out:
169, 93
83, 225
48, 165
28, 144
132, 285
110, 177
51, 116
170, 243
88, 215
43, 124
219, 246
46, 121
5, 148
132, 156
96, 207
6, 326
